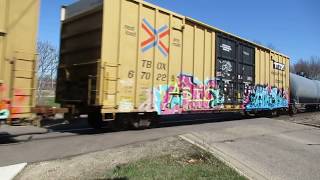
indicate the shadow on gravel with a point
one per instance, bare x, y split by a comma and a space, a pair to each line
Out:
81, 127
193, 119
6, 138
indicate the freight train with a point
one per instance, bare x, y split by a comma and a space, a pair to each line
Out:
130, 62
305, 94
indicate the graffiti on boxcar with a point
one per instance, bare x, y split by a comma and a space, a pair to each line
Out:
265, 97
146, 98
125, 98
226, 68
18, 100
186, 93
4, 114
6, 108
4, 104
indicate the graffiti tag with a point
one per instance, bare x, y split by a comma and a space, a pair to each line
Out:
265, 98
4, 114
226, 68
186, 93
278, 66
7, 109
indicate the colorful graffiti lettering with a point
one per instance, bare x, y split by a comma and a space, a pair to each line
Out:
4, 114
155, 38
187, 93
4, 109
265, 98
4, 104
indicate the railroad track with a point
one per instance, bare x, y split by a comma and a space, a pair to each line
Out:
171, 121
304, 118
86, 130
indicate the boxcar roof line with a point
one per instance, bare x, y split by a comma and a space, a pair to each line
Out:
238, 37
202, 24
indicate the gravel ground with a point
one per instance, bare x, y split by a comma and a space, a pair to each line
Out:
308, 118
94, 165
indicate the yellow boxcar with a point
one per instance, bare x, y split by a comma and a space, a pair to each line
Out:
129, 56
18, 30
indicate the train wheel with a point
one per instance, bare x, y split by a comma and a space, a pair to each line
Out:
249, 115
275, 113
95, 120
122, 122
293, 110
141, 123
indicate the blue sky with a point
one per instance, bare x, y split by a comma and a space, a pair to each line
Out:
291, 26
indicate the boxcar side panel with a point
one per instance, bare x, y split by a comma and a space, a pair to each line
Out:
257, 67
169, 99
194, 88
156, 61
287, 75
198, 76
271, 72
145, 58
161, 64
271, 87
108, 68
276, 73
18, 29
128, 48
188, 51
263, 70
1, 58
208, 65
144, 74
188, 62
2, 15
267, 71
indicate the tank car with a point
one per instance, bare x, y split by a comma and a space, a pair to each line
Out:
304, 93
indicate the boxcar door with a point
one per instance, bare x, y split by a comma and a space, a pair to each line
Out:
226, 67
234, 69
245, 71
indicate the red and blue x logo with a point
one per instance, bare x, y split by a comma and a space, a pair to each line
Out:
155, 37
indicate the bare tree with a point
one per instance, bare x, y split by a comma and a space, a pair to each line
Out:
308, 67
46, 70
292, 69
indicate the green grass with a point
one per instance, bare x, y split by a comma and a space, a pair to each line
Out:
196, 165
49, 101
